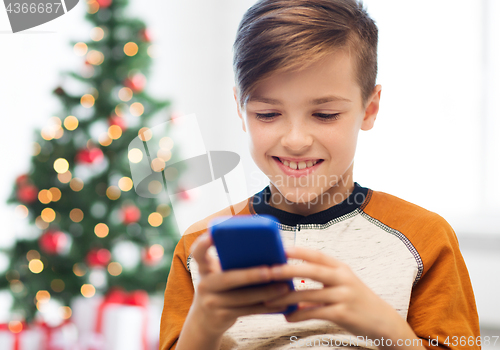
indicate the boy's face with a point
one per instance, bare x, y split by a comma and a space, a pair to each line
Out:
306, 117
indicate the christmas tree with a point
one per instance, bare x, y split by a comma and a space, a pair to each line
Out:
92, 231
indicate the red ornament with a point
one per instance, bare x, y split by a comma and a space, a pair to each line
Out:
130, 214
116, 120
27, 193
89, 156
137, 82
98, 257
53, 242
22, 179
104, 3
145, 35
152, 255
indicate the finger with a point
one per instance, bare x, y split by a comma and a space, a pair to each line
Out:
199, 250
236, 278
253, 310
254, 295
327, 275
312, 296
312, 256
309, 313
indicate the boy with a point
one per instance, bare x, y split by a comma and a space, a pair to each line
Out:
375, 271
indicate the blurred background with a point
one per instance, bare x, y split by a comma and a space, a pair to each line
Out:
435, 142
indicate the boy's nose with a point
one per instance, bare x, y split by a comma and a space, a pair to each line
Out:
297, 138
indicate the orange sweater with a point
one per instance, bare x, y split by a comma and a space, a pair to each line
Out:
409, 256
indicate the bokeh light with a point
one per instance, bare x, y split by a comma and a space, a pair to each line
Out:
80, 49
155, 219
35, 265
32, 254
36, 149
135, 155
97, 33
87, 100
130, 49
105, 140
22, 211
48, 215
56, 194
76, 215
58, 132
42, 295
79, 269
40, 223
120, 109
114, 268
65, 312
48, 133
136, 109
155, 187
16, 286
95, 57
61, 165
125, 94
93, 6
88, 290
157, 164
45, 196
152, 51
76, 184
71, 122
164, 154
166, 143
114, 132
145, 134
113, 192
64, 177
101, 230
15, 326
156, 251
125, 184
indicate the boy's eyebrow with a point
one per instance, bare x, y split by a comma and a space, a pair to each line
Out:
265, 100
326, 99
316, 101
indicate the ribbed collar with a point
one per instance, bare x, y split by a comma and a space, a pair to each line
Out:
358, 198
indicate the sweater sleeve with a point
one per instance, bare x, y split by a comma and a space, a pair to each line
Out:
179, 292
442, 304
178, 296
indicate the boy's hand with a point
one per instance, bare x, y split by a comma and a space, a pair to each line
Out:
216, 305
344, 299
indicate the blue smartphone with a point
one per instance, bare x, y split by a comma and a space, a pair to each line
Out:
246, 241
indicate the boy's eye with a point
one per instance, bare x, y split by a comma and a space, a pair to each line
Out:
266, 116
324, 116
327, 116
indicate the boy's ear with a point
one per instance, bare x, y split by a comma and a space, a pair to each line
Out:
372, 108
235, 92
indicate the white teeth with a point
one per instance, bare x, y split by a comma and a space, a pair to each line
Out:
300, 165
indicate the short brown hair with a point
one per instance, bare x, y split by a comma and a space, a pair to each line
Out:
277, 35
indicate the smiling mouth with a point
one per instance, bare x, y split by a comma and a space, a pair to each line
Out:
299, 165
